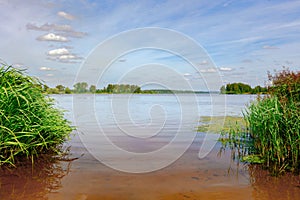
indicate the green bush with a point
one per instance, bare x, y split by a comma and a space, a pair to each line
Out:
29, 124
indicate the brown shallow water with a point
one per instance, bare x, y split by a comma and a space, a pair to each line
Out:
214, 177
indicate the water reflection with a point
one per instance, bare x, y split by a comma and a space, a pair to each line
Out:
29, 181
266, 186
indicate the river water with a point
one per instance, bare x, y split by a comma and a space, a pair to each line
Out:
145, 147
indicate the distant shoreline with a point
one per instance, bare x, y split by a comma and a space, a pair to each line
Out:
144, 92
191, 92
84, 88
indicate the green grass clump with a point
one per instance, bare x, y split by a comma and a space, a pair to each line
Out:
274, 123
29, 124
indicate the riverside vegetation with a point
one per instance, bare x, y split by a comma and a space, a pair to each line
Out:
84, 88
29, 124
274, 123
242, 88
269, 131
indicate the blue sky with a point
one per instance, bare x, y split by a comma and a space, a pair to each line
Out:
242, 39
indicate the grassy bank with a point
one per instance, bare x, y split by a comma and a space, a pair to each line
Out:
29, 124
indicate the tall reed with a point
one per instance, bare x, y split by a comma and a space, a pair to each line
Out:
29, 124
274, 123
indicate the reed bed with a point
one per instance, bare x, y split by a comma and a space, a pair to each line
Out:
29, 124
274, 128
272, 136
274, 123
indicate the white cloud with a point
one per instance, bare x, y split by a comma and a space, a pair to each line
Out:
288, 25
62, 27
62, 55
241, 40
187, 74
45, 68
52, 37
76, 34
227, 3
58, 52
209, 70
44, 27
269, 47
49, 27
66, 29
225, 69
65, 15
67, 57
204, 62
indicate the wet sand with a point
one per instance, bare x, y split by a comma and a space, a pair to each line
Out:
214, 177
187, 178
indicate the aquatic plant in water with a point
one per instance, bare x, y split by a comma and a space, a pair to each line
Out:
29, 124
273, 124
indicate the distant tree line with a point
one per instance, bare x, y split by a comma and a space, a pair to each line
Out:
83, 87
242, 88
167, 91
122, 88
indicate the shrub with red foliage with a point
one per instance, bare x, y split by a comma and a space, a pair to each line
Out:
285, 85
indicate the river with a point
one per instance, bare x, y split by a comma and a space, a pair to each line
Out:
145, 146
